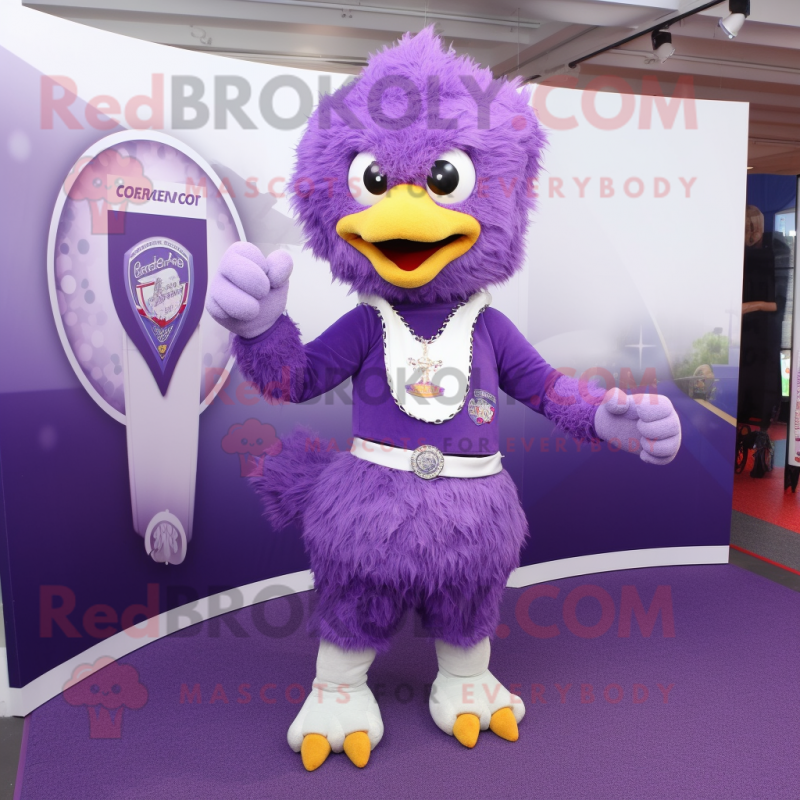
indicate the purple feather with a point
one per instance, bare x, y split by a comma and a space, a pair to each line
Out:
505, 145
572, 405
275, 361
285, 481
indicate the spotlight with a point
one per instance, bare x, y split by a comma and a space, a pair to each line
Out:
732, 24
662, 45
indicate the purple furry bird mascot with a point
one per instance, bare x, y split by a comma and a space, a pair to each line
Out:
414, 183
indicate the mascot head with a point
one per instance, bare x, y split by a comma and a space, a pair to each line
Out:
414, 181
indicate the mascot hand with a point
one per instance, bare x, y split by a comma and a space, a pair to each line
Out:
641, 423
248, 293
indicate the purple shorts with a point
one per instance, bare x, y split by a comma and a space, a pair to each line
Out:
382, 541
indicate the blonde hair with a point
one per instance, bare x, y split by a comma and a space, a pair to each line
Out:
753, 225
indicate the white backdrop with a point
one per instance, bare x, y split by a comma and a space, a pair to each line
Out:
688, 236
596, 261
678, 243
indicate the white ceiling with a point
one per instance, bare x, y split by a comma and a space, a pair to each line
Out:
536, 39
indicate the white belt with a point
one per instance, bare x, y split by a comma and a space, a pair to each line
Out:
427, 462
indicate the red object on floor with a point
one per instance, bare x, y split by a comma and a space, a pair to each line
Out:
765, 498
777, 431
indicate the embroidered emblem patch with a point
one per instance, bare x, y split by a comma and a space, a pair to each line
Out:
160, 276
481, 407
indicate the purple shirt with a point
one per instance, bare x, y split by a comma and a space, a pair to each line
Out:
353, 347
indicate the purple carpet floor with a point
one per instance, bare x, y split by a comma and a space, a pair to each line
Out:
700, 702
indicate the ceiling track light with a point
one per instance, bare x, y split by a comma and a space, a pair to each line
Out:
662, 45
732, 24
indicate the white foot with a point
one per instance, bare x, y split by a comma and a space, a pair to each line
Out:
340, 713
464, 686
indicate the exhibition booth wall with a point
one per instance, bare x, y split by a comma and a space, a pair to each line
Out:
634, 256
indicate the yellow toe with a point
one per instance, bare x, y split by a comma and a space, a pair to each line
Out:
314, 750
504, 724
358, 748
466, 729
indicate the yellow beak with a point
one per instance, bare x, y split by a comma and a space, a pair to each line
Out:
407, 237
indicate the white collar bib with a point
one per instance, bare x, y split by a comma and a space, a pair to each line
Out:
429, 378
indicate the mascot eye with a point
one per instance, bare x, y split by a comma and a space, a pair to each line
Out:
374, 179
443, 178
452, 177
365, 180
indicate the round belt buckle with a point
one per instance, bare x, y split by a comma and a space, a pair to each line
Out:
427, 462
